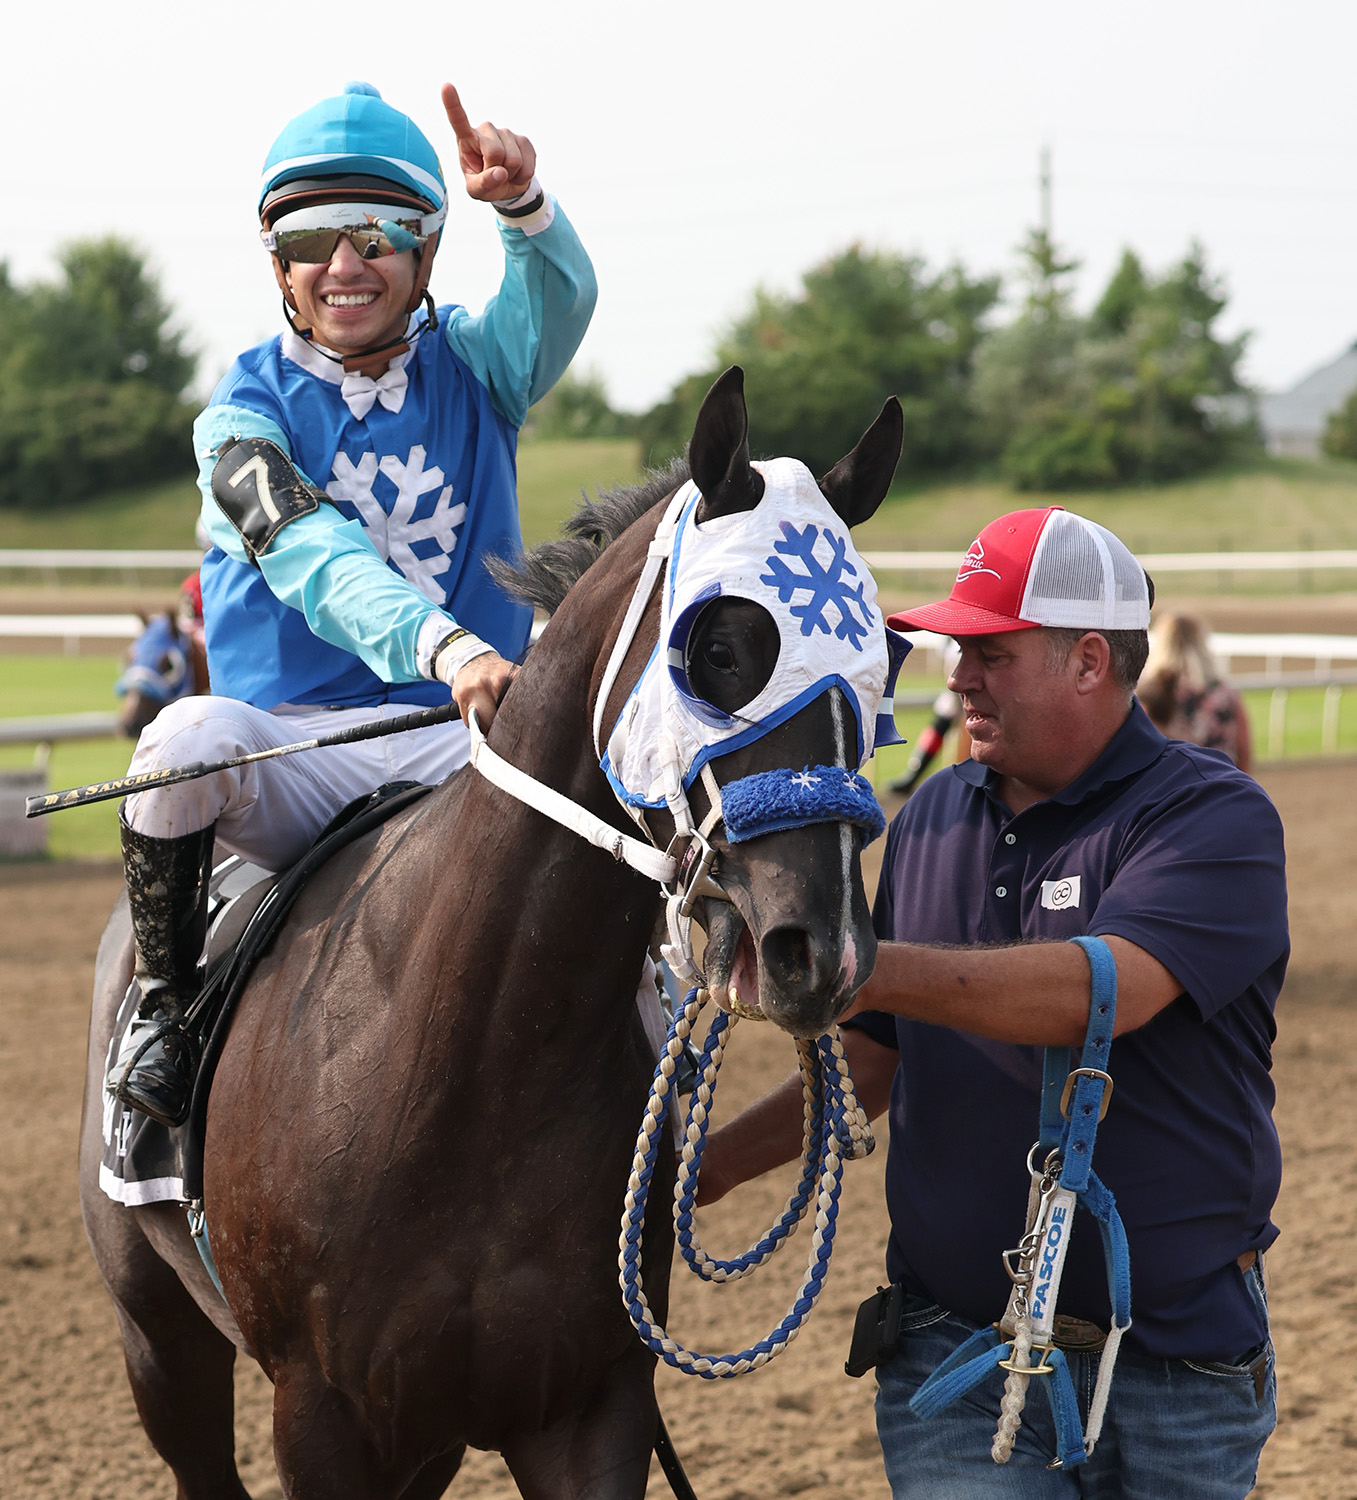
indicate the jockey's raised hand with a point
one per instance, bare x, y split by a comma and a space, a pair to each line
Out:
497, 164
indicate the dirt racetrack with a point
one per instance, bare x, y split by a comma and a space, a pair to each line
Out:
67, 1424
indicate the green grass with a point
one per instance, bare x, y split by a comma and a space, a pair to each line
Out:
1304, 722
159, 515
61, 685
1267, 503
550, 476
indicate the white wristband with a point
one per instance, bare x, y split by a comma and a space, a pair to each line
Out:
532, 211
455, 651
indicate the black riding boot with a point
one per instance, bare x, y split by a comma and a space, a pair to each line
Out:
167, 892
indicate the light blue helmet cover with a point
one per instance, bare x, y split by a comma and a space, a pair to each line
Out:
355, 133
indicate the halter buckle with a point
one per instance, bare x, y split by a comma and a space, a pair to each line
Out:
1067, 1092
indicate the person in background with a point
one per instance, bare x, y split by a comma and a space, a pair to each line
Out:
1185, 694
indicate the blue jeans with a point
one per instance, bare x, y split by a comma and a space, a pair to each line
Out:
1173, 1427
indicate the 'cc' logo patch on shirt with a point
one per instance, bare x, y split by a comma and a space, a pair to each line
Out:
1061, 895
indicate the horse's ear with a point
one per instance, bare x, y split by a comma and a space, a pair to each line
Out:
718, 455
857, 484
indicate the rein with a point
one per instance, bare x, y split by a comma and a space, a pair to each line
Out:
835, 1124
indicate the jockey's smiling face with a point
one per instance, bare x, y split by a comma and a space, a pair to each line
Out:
352, 304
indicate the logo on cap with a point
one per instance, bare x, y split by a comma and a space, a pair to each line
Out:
974, 563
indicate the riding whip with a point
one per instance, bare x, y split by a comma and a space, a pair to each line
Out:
103, 791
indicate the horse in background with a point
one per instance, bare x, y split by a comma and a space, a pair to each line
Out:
166, 662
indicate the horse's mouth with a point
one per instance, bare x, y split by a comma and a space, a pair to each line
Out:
730, 965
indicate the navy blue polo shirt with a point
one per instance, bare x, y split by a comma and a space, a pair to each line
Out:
1171, 847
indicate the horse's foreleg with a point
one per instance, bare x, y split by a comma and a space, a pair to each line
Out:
601, 1454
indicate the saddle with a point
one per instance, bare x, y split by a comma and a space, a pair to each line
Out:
145, 1162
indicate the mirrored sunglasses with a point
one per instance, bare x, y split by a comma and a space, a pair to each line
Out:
310, 234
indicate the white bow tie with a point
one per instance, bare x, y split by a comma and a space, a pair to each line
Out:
361, 391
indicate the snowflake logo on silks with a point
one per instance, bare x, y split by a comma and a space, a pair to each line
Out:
826, 585
805, 780
395, 534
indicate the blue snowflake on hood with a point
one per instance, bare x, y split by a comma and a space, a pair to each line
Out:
825, 585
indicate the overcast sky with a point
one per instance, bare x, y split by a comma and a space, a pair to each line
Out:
707, 146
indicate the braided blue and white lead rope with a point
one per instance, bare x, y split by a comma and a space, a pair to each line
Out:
835, 1126
695, 1140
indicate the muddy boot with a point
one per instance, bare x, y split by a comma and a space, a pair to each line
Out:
167, 892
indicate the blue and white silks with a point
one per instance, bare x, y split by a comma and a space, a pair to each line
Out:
423, 484
793, 555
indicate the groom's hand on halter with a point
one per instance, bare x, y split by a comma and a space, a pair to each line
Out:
480, 685
497, 164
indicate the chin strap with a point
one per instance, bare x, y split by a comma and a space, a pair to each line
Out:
367, 361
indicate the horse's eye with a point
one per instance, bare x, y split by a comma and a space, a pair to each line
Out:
164, 664
719, 655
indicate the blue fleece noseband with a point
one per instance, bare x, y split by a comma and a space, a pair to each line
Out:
774, 801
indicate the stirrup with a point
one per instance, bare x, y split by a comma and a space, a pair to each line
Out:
181, 1055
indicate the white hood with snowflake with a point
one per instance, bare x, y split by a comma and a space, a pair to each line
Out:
793, 555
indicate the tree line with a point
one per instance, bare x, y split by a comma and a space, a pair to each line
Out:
1141, 389
92, 376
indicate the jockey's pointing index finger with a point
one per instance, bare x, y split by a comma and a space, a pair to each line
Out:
457, 117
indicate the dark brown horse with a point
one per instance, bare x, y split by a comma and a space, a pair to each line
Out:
422, 1123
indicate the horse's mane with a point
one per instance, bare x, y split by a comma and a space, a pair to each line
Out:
545, 575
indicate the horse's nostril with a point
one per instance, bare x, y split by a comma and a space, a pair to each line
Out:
785, 953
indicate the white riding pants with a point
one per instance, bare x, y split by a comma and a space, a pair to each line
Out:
271, 811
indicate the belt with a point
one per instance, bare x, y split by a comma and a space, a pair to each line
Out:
1077, 1335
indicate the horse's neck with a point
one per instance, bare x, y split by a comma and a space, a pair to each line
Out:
560, 904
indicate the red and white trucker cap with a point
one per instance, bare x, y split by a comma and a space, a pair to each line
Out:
1039, 567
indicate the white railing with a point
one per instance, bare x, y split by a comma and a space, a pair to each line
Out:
51, 729
1274, 651
51, 558
1228, 647
1153, 562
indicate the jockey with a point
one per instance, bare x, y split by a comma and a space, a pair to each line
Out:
356, 471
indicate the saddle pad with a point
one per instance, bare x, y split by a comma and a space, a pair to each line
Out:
144, 1162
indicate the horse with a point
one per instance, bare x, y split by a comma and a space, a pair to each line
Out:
421, 1126
166, 662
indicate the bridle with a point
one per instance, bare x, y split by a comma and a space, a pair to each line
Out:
686, 868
